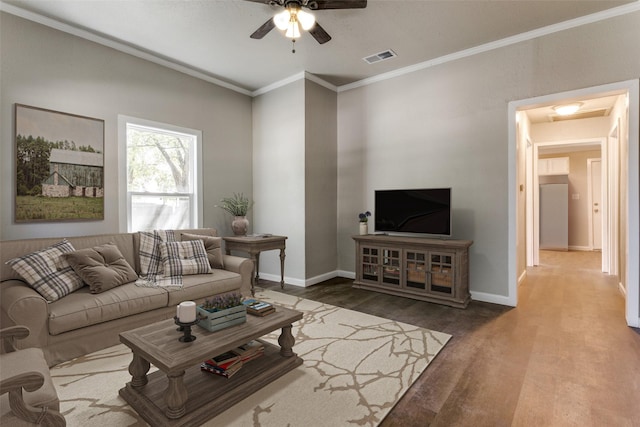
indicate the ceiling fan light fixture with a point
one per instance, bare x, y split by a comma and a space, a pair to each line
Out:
292, 18
282, 19
306, 20
567, 109
293, 30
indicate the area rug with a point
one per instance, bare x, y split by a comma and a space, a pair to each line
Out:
356, 367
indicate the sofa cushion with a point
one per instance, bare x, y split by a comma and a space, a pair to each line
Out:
48, 272
184, 258
82, 308
102, 267
213, 246
201, 286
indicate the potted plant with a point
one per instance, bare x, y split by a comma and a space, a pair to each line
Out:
238, 206
222, 302
222, 311
364, 222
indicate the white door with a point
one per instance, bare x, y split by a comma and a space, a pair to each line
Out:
595, 183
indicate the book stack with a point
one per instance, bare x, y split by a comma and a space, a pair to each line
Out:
258, 308
229, 363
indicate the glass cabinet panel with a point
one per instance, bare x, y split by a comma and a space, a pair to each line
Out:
370, 262
391, 266
441, 271
416, 270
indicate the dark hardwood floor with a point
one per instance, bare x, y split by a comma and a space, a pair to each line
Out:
563, 357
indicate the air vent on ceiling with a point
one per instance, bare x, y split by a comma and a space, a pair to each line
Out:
600, 112
381, 56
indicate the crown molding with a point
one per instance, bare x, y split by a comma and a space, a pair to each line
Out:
529, 35
303, 75
149, 56
119, 46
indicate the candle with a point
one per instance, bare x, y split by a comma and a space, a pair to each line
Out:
187, 312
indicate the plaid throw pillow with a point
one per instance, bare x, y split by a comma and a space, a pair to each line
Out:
213, 246
149, 251
48, 272
184, 258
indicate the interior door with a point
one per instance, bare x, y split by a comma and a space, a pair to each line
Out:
595, 181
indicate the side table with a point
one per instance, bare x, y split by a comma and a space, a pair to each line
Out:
253, 245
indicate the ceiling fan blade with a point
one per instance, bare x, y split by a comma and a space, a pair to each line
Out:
336, 4
263, 30
261, 1
319, 34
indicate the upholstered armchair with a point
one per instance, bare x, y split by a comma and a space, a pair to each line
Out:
24, 375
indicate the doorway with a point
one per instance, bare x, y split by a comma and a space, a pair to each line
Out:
573, 152
627, 231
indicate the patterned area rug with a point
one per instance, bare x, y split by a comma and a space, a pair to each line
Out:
356, 367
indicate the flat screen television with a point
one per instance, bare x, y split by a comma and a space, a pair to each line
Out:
423, 210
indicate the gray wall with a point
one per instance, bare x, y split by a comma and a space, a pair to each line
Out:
295, 179
47, 68
447, 126
441, 126
321, 181
279, 176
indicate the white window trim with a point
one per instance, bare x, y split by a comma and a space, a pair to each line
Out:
123, 201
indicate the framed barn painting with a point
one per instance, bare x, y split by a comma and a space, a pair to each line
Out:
59, 166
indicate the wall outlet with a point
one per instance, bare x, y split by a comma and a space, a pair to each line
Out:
575, 196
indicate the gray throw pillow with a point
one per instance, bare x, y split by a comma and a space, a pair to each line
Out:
102, 267
213, 246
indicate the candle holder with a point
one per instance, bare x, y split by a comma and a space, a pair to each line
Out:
186, 329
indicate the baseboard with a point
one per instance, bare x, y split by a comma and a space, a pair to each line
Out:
347, 274
305, 283
622, 289
320, 278
581, 248
476, 296
287, 280
492, 298
522, 277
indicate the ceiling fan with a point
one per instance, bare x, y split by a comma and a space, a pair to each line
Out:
293, 17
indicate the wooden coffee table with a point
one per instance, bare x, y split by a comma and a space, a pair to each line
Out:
180, 394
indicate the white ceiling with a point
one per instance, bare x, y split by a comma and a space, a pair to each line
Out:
211, 37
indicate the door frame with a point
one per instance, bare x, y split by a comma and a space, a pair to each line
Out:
605, 231
631, 89
614, 199
534, 235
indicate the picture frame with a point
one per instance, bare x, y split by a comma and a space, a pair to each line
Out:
59, 166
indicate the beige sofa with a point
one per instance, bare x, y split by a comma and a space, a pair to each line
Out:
83, 322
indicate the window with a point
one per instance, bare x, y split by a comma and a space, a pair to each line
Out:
159, 175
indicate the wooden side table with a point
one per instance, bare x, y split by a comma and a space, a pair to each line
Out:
253, 245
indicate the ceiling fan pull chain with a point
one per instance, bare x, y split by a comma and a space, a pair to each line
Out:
293, 42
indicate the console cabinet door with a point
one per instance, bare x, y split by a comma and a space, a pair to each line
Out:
391, 267
370, 264
441, 270
415, 266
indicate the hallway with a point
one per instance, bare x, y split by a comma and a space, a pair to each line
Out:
584, 363
563, 357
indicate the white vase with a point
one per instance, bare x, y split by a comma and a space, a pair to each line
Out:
240, 225
364, 228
